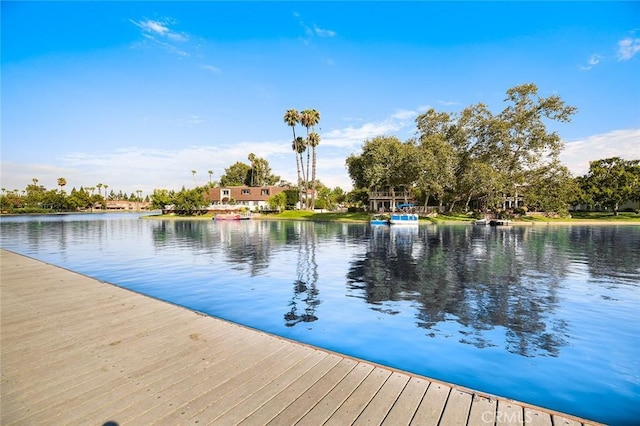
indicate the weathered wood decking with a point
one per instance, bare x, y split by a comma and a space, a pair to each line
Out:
76, 351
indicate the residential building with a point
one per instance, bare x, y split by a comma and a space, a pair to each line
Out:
252, 197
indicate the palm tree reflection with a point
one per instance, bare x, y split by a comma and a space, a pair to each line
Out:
305, 291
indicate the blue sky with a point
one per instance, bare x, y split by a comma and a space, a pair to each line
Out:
135, 95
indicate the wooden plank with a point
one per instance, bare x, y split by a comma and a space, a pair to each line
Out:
250, 405
281, 401
177, 398
235, 392
407, 403
509, 413
456, 410
360, 398
559, 420
377, 410
483, 410
314, 393
533, 417
326, 406
430, 409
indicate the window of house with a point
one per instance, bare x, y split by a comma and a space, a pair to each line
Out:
265, 192
246, 191
225, 192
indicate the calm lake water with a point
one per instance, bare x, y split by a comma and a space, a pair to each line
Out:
548, 315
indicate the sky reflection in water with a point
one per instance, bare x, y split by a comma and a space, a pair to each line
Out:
543, 314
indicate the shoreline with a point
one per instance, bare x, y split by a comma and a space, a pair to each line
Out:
155, 216
422, 222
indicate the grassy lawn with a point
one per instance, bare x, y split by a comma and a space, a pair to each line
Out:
441, 218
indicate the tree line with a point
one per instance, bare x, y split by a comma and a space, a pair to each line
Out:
36, 198
476, 156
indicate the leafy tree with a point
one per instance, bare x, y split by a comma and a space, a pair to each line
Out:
34, 194
385, 163
277, 201
550, 189
236, 174
612, 181
161, 198
517, 139
189, 201
260, 173
293, 197
79, 199
358, 197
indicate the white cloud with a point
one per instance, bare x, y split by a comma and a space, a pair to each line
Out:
354, 136
628, 48
314, 30
591, 62
212, 69
150, 28
159, 33
618, 143
322, 32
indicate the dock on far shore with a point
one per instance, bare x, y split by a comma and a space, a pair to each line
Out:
77, 351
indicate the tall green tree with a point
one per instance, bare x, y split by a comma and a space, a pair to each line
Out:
386, 163
612, 181
236, 175
161, 198
260, 174
518, 139
292, 118
190, 201
550, 188
61, 183
309, 118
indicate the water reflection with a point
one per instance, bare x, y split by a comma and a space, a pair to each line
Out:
305, 299
482, 278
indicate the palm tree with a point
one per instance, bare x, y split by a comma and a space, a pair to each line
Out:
61, 182
105, 191
99, 189
252, 160
193, 173
291, 118
299, 145
210, 175
314, 141
309, 118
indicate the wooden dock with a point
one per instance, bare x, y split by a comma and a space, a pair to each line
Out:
77, 351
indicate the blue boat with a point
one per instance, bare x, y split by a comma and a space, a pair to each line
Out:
403, 219
379, 219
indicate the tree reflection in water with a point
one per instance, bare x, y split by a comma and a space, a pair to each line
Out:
479, 277
305, 289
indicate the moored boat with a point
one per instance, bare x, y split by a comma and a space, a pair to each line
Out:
403, 219
231, 216
379, 219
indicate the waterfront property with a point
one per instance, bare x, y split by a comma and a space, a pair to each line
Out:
79, 351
